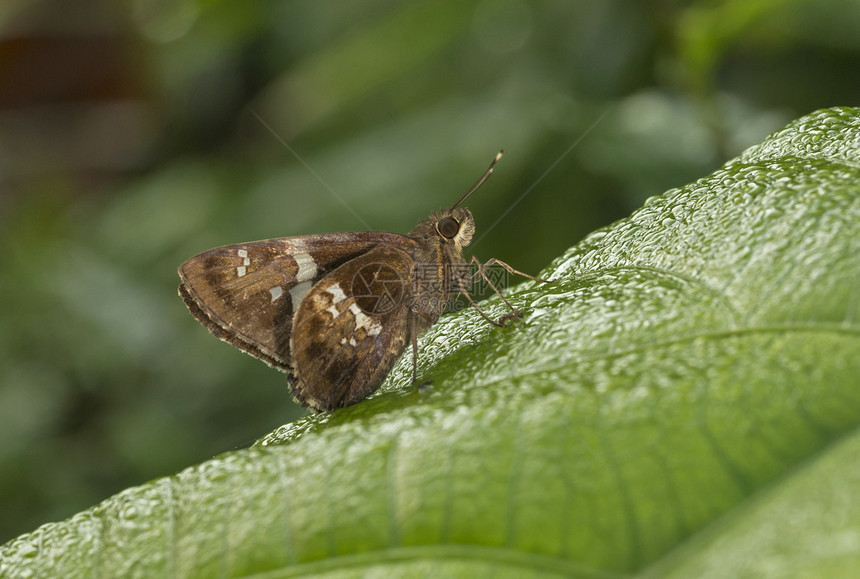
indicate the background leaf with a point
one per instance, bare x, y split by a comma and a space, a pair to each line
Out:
681, 399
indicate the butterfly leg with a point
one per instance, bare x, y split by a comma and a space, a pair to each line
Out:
413, 329
413, 337
502, 321
509, 269
515, 313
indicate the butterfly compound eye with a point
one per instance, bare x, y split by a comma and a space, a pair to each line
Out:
448, 227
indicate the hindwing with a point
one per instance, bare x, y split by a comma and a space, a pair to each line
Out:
351, 328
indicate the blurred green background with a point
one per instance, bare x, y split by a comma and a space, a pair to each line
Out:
136, 133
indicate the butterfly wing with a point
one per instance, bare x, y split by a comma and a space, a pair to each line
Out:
351, 328
247, 294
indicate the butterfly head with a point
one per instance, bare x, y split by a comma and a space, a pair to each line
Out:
455, 225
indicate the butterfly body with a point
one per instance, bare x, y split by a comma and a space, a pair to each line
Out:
335, 311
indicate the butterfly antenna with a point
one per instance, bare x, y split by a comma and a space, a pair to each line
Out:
480, 182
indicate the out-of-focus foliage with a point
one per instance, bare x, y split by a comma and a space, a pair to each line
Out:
135, 134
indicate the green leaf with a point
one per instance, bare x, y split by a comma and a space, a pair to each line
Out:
682, 400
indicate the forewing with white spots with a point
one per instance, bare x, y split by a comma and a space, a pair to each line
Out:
246, 294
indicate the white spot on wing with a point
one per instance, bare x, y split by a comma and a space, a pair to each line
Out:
242, 269
337, 296
362, 320
298, 292
307, 266
276, 292
337, 293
